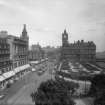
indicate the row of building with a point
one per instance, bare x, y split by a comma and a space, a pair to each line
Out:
36, 52
78, 51
13, 57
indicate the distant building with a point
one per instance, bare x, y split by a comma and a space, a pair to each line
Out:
78, 51
52, 52
36, 52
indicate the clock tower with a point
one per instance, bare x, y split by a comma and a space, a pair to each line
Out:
64, 38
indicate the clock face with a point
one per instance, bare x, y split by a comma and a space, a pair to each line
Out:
65, 36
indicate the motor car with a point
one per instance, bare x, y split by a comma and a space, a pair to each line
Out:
33, 69
17, 78
11, 81
40, 72
2, 96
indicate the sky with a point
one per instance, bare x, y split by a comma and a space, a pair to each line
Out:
47, 19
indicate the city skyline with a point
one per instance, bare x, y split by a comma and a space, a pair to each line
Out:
47, 19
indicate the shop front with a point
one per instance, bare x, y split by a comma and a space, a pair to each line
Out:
21, 71
25, 69
2, 82
9, 77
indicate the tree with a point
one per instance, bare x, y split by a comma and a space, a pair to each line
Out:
97, 85
100, 100
52, 93
70, 86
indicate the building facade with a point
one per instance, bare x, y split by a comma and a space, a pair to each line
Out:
78, 51
19, 48
14, 61
36, 53
5, 62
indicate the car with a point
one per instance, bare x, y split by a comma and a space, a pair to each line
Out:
2, 96
40, 72
33, 69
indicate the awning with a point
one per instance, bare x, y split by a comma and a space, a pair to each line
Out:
16, 70
8, 74
21, 68
34, 62
2, 78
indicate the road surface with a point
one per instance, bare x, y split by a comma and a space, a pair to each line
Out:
19, 93
32, 83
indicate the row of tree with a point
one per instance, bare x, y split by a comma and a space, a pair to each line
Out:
54, 92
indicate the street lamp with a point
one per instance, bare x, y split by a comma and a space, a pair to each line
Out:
85, 87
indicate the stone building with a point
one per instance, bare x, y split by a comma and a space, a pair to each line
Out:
13, 57
5, 62
19, 48
78, 51
36, 53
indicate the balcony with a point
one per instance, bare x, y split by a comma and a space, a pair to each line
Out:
22, 53
4, 59
4, 52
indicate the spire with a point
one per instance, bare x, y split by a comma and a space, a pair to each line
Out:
24, 33
65, 31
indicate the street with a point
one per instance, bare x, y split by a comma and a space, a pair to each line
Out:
23, 88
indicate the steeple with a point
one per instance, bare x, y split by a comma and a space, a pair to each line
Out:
24, 32
65, 31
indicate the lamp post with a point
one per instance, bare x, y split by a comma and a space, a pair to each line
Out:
85, 87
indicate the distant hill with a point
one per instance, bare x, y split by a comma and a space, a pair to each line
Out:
100, 54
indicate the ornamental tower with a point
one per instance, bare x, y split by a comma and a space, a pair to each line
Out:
64, 38
24, 33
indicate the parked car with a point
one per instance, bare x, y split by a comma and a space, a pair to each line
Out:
2, 96
40, 72
33, 69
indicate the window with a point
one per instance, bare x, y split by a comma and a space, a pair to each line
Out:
1, 40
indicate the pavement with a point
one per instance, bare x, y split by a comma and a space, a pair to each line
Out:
19, 93
84, 101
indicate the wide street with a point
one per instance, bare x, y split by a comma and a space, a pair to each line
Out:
23, 88
19, 93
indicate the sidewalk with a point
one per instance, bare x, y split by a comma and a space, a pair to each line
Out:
15, 87
84, 101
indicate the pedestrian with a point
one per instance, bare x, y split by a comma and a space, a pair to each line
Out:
32, 95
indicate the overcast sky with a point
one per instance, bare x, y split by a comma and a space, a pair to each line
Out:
47, 19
